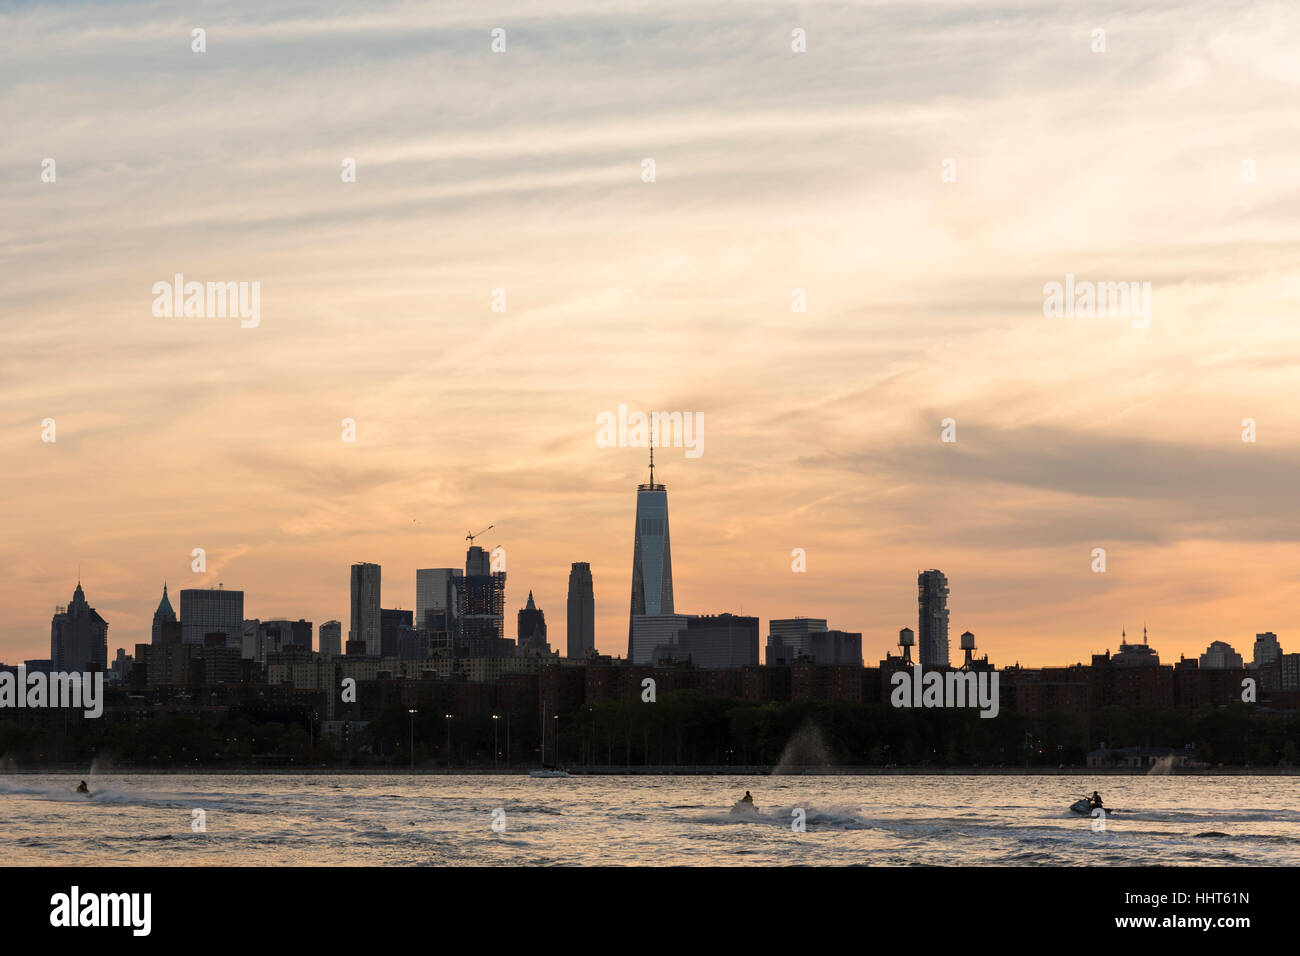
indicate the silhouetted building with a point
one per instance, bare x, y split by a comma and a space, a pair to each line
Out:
365, 625
532, 629
652, 566
437, 590
652, 631
1267, 649
1220, 655
120, 670
391, 623
1135, 655
932, 626
790, 637
276, 635
78, 636
163, 614
331, 638
1266, 662
582, 612
1290, 672
714, 642
209, 611
482, 610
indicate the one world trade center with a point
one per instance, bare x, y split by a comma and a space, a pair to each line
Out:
652, 566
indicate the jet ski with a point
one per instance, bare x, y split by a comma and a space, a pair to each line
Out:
744, 808
1082, 807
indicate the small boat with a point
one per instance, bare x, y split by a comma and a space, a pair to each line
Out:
547, 772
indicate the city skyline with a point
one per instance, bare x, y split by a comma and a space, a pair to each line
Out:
914, 201
932, 594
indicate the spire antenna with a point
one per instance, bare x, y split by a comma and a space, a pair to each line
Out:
652, 462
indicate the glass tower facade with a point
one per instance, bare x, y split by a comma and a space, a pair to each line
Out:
652, 566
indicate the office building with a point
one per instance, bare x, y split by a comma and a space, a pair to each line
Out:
437, 590
78, 636
582, 612
391, 624
482, 611
1220, 656
532, 630
365, 623
715, 642
652, 566
212, 611
161, 616
651, 631
789, 638
331, 638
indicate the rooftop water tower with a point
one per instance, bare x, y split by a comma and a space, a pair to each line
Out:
906, 638
968, 646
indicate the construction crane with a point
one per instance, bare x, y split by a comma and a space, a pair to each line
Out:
470, 537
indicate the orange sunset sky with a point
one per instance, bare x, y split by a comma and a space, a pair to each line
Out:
774, 171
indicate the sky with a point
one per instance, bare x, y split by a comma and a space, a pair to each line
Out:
921, 172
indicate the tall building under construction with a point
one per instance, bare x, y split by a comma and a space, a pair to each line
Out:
932, 625
482, 611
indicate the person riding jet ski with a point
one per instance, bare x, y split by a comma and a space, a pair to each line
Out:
1095, 801
82, 788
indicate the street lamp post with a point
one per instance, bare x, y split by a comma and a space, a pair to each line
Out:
557, 740
496, 722
507, 740
448, 716
412, 712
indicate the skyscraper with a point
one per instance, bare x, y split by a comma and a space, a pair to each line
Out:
207, 611
932, 627
532, 629
1267, 649
582, 612
482, 609
392, 622
163, 615
331, 638
365, 625
78, 636
437, 589
652, 566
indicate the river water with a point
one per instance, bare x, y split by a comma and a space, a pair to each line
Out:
406, 820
